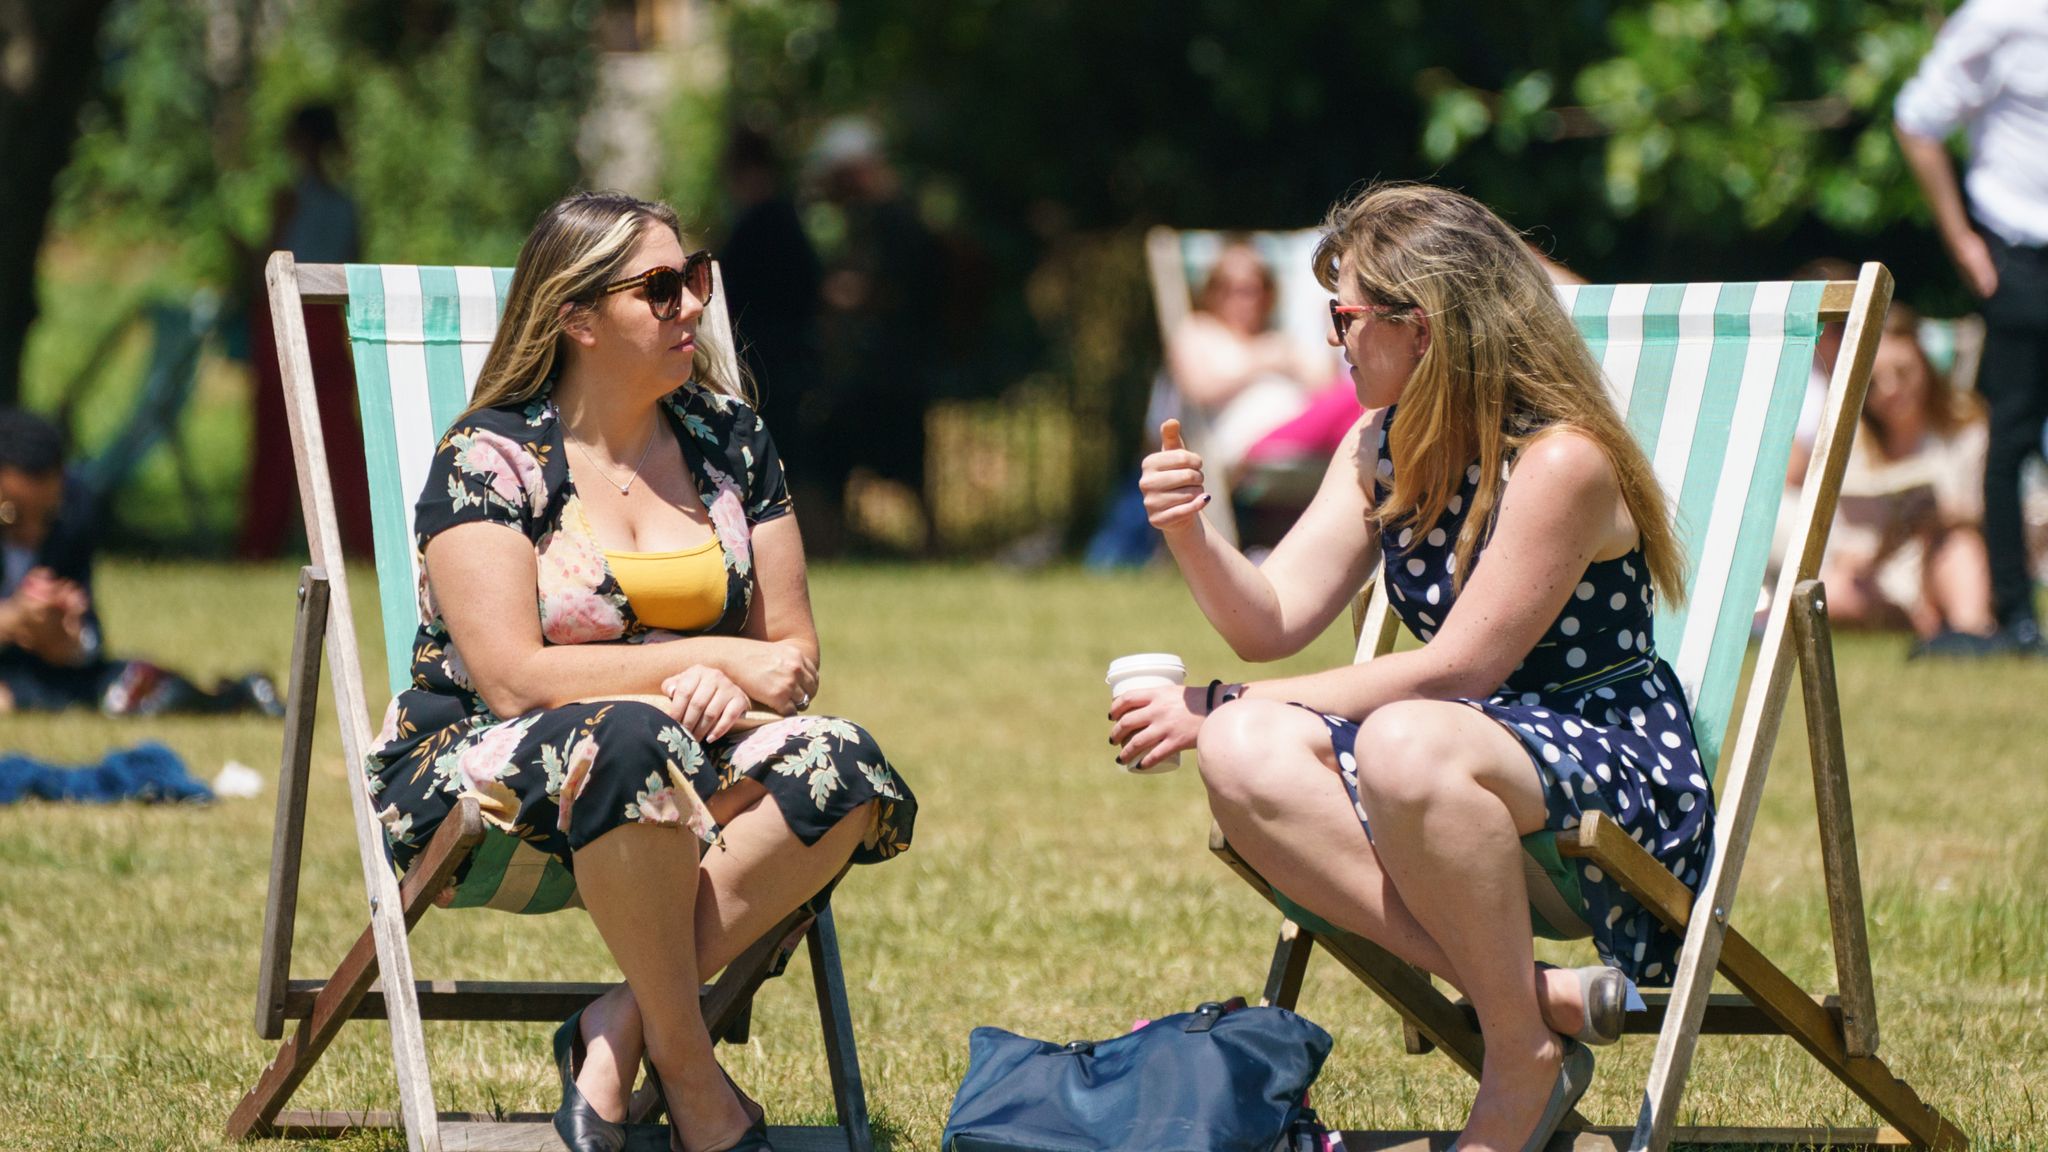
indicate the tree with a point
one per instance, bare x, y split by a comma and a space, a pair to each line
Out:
48, 53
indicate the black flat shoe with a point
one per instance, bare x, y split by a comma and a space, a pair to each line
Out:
576, 1122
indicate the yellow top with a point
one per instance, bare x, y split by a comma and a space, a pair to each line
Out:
680, 591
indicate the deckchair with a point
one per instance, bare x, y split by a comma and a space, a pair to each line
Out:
419, 336
1710, 377
1177, 262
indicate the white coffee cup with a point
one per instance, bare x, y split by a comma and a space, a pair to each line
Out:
1147, 670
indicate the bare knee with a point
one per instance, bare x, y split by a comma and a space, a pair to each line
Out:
1239, 746
1407, 757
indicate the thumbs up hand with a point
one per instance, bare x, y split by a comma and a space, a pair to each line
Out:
1171, 480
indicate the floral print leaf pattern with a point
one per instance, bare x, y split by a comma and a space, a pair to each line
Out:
558, 777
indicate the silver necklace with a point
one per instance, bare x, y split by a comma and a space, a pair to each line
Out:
631, 477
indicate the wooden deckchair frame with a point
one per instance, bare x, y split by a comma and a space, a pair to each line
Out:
381, 956
1840, 1031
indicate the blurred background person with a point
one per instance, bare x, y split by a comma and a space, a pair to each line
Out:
772, 283
1238, 378
1988, 74
1906, 547
881, 334
51, 652
314, 219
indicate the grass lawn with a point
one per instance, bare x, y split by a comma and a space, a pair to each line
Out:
1048, 892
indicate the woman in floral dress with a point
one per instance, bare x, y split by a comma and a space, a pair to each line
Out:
601, 438
1523, 538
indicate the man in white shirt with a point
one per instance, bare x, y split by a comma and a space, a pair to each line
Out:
1988, 75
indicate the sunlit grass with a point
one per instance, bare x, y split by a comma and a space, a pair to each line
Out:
1047, 892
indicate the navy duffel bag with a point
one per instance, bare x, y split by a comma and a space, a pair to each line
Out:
1211, 1080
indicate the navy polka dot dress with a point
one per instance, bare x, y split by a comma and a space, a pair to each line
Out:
1605, 725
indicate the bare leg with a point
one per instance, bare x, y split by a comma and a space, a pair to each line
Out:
654, 943
1450, 794
1958, 580
1273, 788
753, 878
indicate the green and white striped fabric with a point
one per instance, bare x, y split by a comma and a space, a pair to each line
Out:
419, 335
1711, 378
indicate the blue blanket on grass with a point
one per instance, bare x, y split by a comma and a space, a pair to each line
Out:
144, 772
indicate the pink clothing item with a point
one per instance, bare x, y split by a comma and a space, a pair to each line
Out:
1316, 432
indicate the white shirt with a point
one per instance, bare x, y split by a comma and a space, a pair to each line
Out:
1988, 71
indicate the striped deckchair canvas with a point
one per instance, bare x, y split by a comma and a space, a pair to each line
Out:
1711, 378
419, 336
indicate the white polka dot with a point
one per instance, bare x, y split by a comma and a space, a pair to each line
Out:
1407, 534
1472, 474
1585, 590
1433, 594
1697, 781
1427, 633
1569, 625
1618, 601
1607, 774
1576, 657
1628, 568
1686, 802
1586, 785
1451, 563
1670, 740
1696, 759
1571, 728
1347, 762
1613, 717
1457, 504
1657, 775
1671, 710
1386, 466
1398, 594
1604, 693
1426, 618
1545, 729
1415, 566
1551, 755
1531, 698
1650, 689
1642, 641
1636, 717
1613, 915
1626, 641
1525, 726
1654, 969
1436, 538
1594, 873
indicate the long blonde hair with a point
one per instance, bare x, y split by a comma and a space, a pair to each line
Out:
580, 244
1504, 365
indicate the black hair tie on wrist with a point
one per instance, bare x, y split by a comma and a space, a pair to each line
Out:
1209, 700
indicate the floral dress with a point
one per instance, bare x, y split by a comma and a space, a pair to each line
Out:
559, 778
1599, 713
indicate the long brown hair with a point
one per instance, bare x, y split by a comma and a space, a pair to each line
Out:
580, 244
1944, 407
1504, 364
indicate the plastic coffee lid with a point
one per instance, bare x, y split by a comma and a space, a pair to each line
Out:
1146, 663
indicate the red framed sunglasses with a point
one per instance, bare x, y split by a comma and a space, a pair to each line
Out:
665, 285
1341, 315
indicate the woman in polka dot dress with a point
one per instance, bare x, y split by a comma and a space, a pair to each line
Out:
1523, 538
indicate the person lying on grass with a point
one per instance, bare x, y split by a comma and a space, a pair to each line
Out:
52, 655
1523, 539
612, 577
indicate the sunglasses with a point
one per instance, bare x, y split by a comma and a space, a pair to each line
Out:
665, 285
1341, 315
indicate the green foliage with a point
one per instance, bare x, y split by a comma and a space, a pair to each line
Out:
461, 123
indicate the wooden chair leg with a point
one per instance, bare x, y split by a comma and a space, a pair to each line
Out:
849, 1096
1290, 965
459, 833
1844, 876
1798, 1014
280, 909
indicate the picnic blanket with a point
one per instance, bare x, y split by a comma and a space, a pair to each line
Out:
149, 772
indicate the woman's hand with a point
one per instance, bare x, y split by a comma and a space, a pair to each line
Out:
780, 676
704, 701
1171, 480
1152, 724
